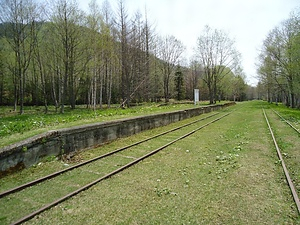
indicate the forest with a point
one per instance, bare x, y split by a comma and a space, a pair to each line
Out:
61, 55
279, 63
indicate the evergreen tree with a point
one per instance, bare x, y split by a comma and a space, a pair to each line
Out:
179, 84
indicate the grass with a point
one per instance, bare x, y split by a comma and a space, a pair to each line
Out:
15, 127
292, 115
227, 173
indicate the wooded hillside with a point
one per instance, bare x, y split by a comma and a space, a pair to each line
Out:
60, 55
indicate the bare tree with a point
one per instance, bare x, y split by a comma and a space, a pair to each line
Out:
192, 78
39, 70
215, 52
109, 50
170, 50
124, 31
94, 19
67, 18
2, 75
148, 39
21, 17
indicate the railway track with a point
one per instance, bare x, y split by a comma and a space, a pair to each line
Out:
101, 167
290, 180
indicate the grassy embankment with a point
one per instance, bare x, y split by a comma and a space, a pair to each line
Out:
227, 173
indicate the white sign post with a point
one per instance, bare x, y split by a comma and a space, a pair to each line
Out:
196, 96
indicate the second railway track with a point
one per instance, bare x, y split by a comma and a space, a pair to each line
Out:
286, 141
84, 175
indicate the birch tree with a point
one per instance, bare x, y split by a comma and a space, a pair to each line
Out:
94, 19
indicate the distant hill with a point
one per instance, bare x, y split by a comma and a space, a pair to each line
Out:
6, 28
2, 29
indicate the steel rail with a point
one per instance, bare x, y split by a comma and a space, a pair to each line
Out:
42, 179
288, 178
37, 212
291, 125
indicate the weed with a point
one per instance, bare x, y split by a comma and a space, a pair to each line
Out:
163, 191
24, 148
44, 140
227, 158
49, 158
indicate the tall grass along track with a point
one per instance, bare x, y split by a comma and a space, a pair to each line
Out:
135, 161
57, 173
291, 125
286, 172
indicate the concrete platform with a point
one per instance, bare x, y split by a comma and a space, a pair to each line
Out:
64, 141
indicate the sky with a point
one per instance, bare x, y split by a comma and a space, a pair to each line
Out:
248, 22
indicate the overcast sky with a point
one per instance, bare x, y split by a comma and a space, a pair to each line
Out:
246, 21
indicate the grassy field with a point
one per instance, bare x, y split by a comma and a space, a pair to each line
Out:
15, 127
227, 173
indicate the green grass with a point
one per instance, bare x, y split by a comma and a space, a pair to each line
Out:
227, 173
292, 115
15, 127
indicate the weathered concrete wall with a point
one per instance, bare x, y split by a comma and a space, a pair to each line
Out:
64, 141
